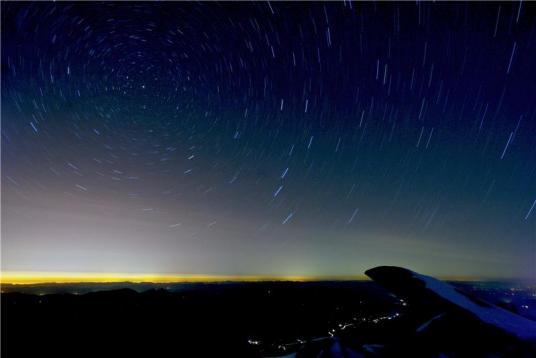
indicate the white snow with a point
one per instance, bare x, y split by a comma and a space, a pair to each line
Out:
518, 326
425, 325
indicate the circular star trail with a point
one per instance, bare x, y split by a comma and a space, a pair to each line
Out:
269, 138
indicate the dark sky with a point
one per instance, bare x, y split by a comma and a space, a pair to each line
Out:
271, 139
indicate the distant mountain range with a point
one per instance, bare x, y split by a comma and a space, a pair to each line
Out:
401, 314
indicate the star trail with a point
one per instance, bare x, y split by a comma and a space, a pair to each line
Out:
277, 139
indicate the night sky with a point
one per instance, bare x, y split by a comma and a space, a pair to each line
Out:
269, 138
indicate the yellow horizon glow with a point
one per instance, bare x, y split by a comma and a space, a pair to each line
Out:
37, 277
17, 277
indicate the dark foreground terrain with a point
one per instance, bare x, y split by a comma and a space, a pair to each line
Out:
346, 319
